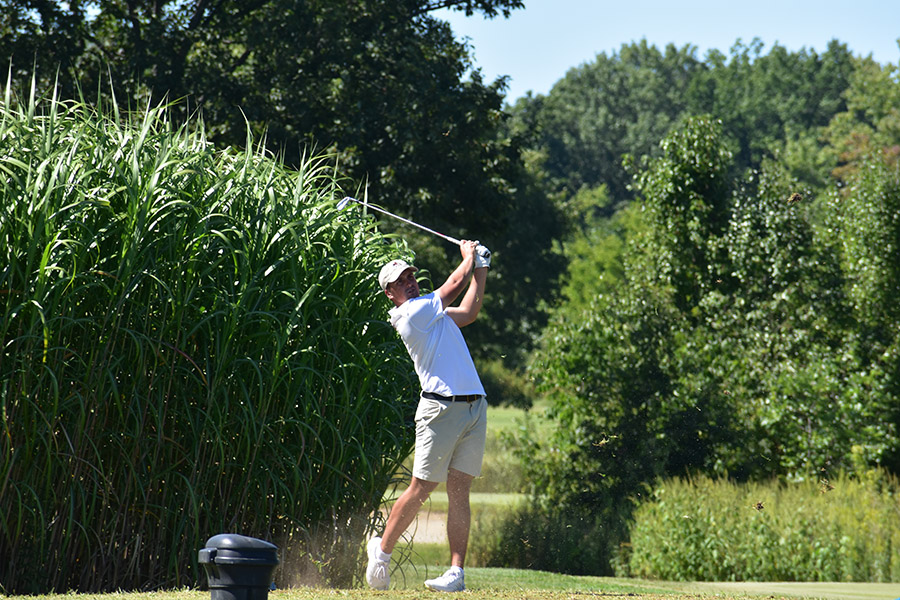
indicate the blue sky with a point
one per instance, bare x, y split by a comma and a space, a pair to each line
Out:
538, 44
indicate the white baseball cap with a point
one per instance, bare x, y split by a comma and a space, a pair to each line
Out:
391, 271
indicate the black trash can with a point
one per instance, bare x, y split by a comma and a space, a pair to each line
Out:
238, 567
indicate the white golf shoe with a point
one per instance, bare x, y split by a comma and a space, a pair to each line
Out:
453, 580
378, 574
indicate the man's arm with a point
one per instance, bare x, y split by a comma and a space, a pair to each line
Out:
459, 278
470, 306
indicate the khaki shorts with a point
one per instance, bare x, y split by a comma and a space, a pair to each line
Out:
449, 435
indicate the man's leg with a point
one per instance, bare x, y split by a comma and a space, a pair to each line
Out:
404, 511
459, 515
402, 514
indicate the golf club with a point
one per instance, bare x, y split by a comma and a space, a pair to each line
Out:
482, 250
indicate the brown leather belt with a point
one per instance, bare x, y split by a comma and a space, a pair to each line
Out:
466, 398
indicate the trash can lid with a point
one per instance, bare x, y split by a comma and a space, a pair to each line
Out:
234, 541
234, 549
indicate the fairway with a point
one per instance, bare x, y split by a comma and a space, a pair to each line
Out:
842, 591
503, 584
498, 583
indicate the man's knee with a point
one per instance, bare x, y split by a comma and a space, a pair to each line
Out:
458, 482
421, 488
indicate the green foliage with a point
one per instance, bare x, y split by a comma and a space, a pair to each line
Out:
624, 104
866, 224
620, 421
192, 344
771, 341
595, 248
807, 161
504, 385
747, 358
687, 193
722, 324
378, 83
602, 371
729, 346
600, 111
716, 530
869, 234
558, 541
870, 125
762, 98
42, 37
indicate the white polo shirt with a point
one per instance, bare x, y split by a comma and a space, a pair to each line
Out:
435, 343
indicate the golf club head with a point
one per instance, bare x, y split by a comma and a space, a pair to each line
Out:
344, 202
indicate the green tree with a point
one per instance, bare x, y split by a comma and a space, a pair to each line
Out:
763, 98
602, 371
608, 370
626, 103
861, 224
867, 226
687, 192
594, 249
40, 37
616, 105
871, 122
773, 342
378, 82
728, 345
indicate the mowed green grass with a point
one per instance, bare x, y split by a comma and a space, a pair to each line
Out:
511, 584
488, 583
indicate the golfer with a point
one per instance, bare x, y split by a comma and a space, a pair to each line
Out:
451, 418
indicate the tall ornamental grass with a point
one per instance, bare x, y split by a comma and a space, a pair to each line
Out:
716, 530
193, 343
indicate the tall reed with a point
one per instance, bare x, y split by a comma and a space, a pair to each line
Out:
193, 343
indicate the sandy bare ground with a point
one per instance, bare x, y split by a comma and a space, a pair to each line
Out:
430, 527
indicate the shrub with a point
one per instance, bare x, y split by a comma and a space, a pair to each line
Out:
506, 386
546, 539
190, 346
716, 530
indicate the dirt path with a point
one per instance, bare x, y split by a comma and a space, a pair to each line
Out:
430, 527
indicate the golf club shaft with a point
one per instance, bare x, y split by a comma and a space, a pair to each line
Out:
407, 221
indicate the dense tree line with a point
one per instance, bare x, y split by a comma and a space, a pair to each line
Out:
622, 105
728, 234
737, 316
